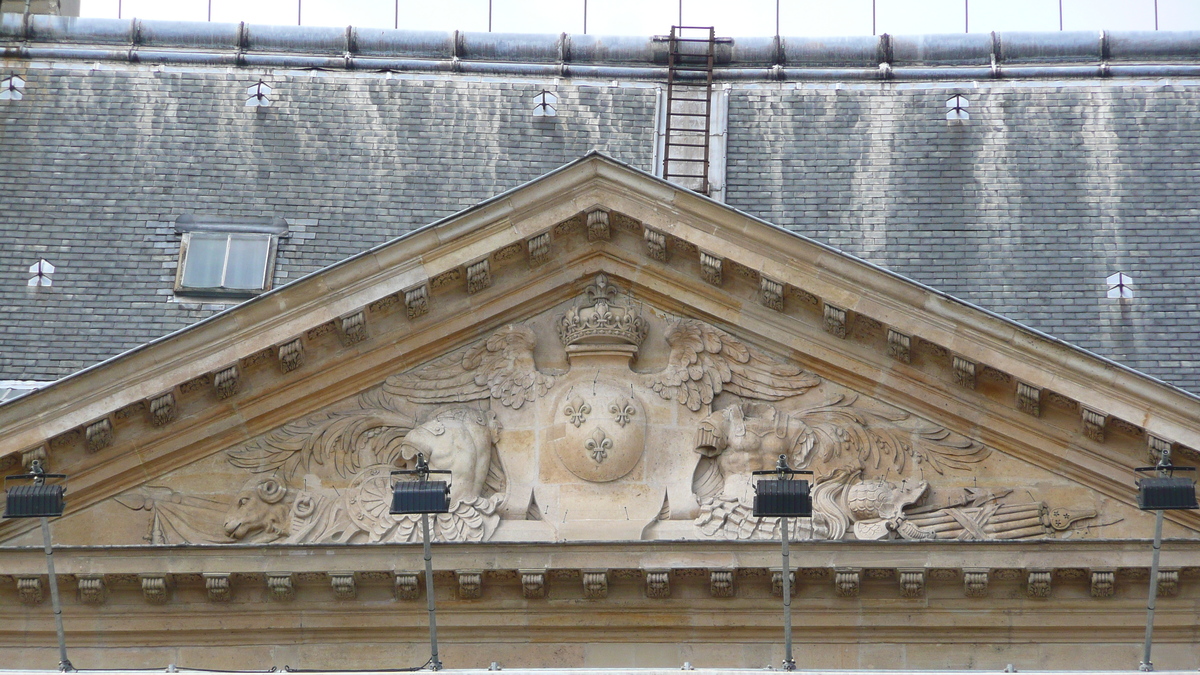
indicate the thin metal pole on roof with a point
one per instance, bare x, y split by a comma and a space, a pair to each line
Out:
776, 18
1060, 15
966, 16
210, 10
298, 9
680, 12
585, 17
1155, 14
397, 26
872, 17
489, 16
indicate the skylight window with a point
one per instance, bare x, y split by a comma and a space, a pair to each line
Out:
258, 95
12, 88
1120, 285
41, 271
545, 104
958, 108
223, 257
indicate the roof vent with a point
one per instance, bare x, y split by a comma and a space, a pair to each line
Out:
258, 95
545, 104
958, 108
1120, 286
12, 88
41, 271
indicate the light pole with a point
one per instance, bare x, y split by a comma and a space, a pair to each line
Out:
784, 497
424, 496
1161, 493
40, 500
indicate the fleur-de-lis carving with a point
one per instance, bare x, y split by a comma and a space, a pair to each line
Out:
598, 445
577, 411
622, 409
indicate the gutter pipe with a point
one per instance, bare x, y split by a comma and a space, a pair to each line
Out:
992, 56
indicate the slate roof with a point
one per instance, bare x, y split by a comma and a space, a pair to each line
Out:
1051, 186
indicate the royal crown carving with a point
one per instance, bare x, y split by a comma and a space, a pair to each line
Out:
606, 319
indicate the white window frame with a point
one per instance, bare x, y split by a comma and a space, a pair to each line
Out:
189, 226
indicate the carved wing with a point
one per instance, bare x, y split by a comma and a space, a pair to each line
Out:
705, 361
500, 367
330, 443
848, 436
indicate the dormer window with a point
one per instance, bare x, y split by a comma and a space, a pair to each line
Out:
222, 257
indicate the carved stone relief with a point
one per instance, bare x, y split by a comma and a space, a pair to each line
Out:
652, 430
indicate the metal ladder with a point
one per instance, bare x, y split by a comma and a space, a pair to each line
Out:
689, 106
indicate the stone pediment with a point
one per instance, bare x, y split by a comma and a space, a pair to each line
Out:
599, 355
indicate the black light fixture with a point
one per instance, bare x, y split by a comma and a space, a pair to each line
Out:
1161, 492
423, 496
784, 497
39, 499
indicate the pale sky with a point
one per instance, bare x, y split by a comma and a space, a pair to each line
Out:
655, 17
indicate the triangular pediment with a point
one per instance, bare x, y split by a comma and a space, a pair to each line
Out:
599, 354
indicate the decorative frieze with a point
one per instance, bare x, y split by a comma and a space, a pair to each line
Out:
539, 248
847, 582
1094, 422
162, 409
98, 435
1103, 583
899, 346
597, 226
912, 583
720, 583
777, 582
407, 586
470, 584
38, 454
1029, 399
710, 268
383, 304
227, 382
416, 301
595, 584
291, 355
533, 584
508, 252
281, 586
343, 585
658, 584
353, 328
445, 278
1038, 584
1168, 582
218, 586
835, 321
656, 244
479, 276
975, 583
92, 589
30, 590
155, 588
771, 293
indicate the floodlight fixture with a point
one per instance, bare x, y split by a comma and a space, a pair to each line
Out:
784, 497
423, 496
1162, 492
42, 500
